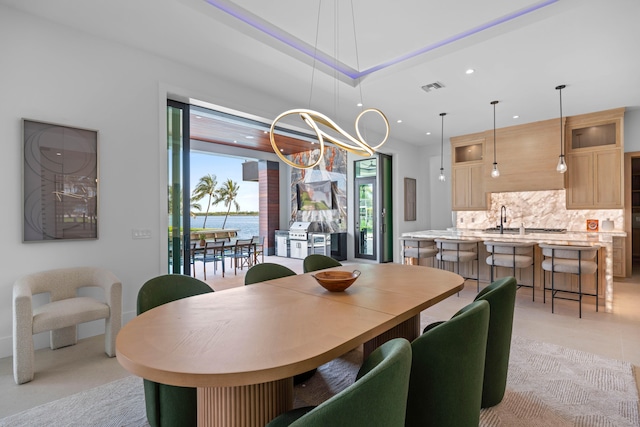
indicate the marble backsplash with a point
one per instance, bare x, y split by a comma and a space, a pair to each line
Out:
536, 209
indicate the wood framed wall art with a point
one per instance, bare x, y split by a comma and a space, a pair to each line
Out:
60, 182
409, 199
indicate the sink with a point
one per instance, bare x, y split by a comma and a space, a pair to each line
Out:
506, 230
509, 230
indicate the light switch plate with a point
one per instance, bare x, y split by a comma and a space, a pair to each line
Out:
140, 233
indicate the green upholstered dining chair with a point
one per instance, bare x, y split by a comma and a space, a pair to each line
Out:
266, 271
316, 262
169, 405
378, 397
447, 370
501, 296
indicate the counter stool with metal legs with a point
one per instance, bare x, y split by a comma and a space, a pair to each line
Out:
415, 248
578, 260
512, 255
459, 251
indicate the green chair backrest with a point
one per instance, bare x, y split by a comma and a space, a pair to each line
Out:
166, 405
377, 398
501, 296
266, 271
447, 370
316, 262
169, 287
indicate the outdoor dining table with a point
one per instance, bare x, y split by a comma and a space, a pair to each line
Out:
230, 248
241, 347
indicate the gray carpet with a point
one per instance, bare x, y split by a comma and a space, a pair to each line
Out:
548, 385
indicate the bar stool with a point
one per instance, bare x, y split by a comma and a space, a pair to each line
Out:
577, 260
512, 255
459, 251
416, 248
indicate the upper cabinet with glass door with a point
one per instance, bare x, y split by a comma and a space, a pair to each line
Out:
467, 173
594, 146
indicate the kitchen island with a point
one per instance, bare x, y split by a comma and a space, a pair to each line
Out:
604, 239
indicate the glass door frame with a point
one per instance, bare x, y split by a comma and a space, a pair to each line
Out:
379, 172
360, 239
178, 165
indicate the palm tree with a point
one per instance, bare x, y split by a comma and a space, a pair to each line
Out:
206, 187
192, 205
228, 194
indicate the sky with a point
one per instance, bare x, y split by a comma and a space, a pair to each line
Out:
224, 167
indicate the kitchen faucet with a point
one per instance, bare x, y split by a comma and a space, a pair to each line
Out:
503, 218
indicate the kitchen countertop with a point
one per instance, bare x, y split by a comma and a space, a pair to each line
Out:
583, 238
567, 238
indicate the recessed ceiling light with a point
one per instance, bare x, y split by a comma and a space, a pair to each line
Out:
516, 116
249, 137
198, 117
282, 149
470, 71
399, 121
235, 142
359, 104
428, 133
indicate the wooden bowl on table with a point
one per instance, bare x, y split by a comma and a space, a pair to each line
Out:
336, 281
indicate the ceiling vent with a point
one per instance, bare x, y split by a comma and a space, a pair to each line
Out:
432, 86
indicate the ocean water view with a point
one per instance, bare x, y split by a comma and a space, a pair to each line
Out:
247, 225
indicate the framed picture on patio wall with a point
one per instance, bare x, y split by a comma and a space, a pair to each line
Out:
60, 182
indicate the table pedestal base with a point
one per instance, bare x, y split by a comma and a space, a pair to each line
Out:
409, 329
244, 406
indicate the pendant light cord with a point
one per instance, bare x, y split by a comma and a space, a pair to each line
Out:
442, 142
561, 132
494, 133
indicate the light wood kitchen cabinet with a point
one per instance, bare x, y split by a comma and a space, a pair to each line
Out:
468, 188
619, 269
527, 155
467, 172
594, 178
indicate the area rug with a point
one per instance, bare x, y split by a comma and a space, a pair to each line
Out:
548, 385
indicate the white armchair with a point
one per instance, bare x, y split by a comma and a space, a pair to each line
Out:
63, 313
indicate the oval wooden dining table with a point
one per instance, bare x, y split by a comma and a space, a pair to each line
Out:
241, 347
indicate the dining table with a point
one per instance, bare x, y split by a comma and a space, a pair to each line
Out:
242, 346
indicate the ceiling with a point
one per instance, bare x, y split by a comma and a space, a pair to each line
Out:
520, 51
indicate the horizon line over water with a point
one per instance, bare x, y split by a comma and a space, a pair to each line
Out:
247, 225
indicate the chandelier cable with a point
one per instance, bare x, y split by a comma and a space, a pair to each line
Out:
315, 56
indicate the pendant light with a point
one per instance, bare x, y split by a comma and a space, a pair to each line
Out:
324, 127
442, 178
562, 166
495, 172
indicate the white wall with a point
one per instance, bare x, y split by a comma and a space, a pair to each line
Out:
55, 74
441, 192
632, 130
